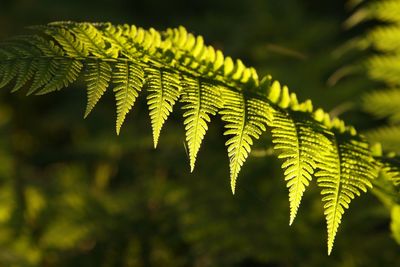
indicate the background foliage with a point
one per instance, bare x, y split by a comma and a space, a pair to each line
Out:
74, 194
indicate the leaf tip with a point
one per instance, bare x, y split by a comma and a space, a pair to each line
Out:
87, 112
191, 166
192, 159
233, 185
293, 214
329, 249
27, 94
330, 245
291, 220
155, 143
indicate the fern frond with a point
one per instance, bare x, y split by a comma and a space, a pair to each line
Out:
97, 76
194, 56
346, 170
246, 119
385, 68
22, 70
129, 82
387, 10
382, 10
176, 65
385, 38
383, 103
47, 48
45, 68
66, 73
9, 71
388, 136
93, 41
26, 71
203, 100
120, 37
164, 88
390, 164
134, 42
72, 46
298, 139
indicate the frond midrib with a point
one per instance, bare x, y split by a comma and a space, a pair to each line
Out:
231, 85
292, 216
198, 105
126, 85
99, 49
159, 109
332, 233
235, 170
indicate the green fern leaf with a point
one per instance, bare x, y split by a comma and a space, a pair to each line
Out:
97, 76
388, 136
66, 73
92, 40
385, 68
134, 42
388, 10
346, 170
390, 164
164, 88
298, 139
202, 100
128, 78
246, 119
9, 68
383, 103
9, 72
45, 69
174, 64
26, 71
120, 38
72, 46
47, 47
385, 38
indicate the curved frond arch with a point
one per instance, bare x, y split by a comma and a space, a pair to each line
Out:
176, 66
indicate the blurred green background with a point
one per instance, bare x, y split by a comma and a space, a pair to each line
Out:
72, 193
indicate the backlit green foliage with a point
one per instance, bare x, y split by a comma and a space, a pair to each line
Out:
202, 100
347, 169
161, 102
299, 139
382, 42
383, 65
174, 65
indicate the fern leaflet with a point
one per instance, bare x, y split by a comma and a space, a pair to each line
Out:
388, 136
345, 170
298, 138
97, 76
161, 102
390, 164
66, 73
246, 119
202, 100
129, 81
383, 103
